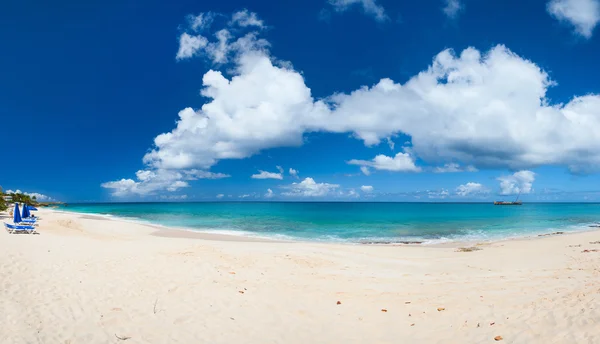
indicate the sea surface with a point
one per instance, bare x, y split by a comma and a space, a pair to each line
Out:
360, 222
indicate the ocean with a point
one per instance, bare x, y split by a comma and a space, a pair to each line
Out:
428, 223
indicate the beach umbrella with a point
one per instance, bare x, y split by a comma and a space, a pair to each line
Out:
25, 214
31, 207
17, 215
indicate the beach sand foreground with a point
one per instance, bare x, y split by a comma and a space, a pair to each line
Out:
87, 279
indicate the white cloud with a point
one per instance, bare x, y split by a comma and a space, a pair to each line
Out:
309, 188
173, 197
452, 8
453, 168
177, 185
267, 175
351, 193
369, 6
200, 22
438, 194
219, 51
583, 15
402, 162
190, 46
471, 189
391, 143
244, 196
366, 188
518, 183
462, 109
245, 18
280, 169
269, 193
200, 174
293, 173
219, 196
365, 170
150, 181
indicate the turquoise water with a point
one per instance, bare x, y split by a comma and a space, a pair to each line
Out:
360, 222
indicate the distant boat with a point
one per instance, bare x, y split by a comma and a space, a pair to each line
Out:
516, 201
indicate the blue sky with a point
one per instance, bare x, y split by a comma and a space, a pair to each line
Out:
429, 100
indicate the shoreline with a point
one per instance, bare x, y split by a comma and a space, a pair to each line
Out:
85, 279
192, 233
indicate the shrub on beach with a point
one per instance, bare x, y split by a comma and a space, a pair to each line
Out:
3, 205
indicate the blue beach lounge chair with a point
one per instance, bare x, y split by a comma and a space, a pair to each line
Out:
19, 228
17, 219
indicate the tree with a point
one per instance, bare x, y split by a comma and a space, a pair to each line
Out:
3, 205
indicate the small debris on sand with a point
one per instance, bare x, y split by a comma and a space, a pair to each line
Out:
441, 309
587, 251
467, 249
554, 233
391, 242
384, 310
498, 338
339, 302
594, 242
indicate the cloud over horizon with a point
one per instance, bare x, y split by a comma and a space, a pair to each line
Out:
461, 110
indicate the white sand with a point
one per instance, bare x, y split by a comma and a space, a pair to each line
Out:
87, 280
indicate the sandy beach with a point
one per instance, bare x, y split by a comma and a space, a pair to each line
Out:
87, 279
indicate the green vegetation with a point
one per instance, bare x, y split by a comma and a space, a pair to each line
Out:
16, 197
3, 205
22, 198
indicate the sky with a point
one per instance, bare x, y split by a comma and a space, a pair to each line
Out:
316, 100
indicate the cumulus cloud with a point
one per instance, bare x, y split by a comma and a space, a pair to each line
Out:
150, 181
269, 193
309, 188
200, 22
219, 196
293, 173
366, 188
365, 170
462, 109
370, 7
518, 183
583, 15
437, 194
190, 45
471, 189
244, 18
452, 8
402, 162
453, 168
267, 175
479, 116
